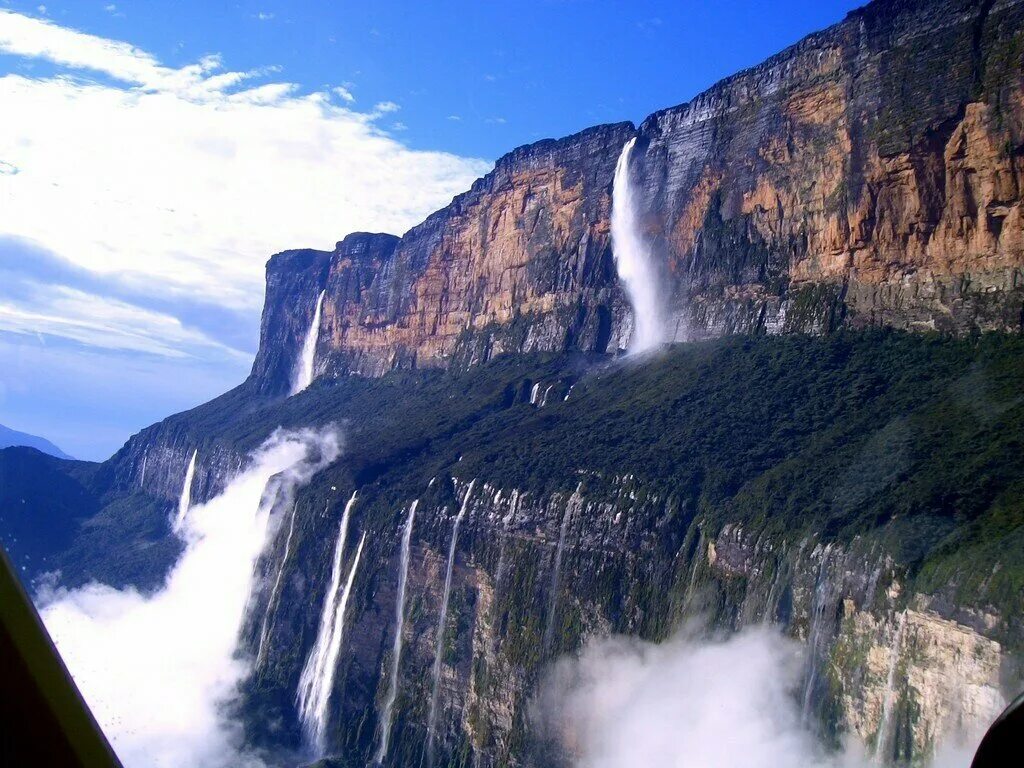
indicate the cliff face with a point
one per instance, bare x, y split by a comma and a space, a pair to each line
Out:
871, 174
537, 574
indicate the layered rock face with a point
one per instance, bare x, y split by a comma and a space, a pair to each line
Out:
870, 174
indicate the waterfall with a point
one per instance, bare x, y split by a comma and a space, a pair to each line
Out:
303, 376
814, 640
534, 392
890, 685
396, 651
142, 474
544, 399
318, 674
694, 566
275, 591
186, 491
633, 260
549, 628
441, 621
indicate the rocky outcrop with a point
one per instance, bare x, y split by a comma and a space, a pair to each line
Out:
869, 175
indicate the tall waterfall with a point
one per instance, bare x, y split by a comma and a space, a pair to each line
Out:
303, 376
185, 501
396, 650
317, 677
633, 260
885, 726
556, 570
275, 591
442, 620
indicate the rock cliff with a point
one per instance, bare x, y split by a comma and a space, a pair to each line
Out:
869, 175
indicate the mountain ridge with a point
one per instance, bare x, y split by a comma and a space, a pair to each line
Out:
841, 182
11, 437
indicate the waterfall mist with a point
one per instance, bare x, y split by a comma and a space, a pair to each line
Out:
396, 651
303, 375
317, 679
160, 670
633, 260
691, 703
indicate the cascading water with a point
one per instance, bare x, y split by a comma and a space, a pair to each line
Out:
441, 622
303, 376
633, 260
885, 726
396, 650
161, 671
549, 628
534, 392
814, 641
185, 501
275, 591
317, 675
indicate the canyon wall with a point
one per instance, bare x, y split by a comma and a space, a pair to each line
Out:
871, 174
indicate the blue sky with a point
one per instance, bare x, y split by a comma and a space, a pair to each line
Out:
153, 154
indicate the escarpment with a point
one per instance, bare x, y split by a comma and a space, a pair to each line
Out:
871, 174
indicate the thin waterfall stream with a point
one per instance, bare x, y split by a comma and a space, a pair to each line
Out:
441, 622
387, 710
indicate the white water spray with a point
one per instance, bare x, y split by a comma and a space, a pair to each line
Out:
317, 677
303, 376
396, 650
441, 622
534, 392
185, 501
885, 725
274, 592
159, 669
633, 260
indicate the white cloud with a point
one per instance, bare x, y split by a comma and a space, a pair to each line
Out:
455, 118
344, 93
689, 702
384, 107
496, 120
106, 323
399, 126
182, 181
264, 16
156, 685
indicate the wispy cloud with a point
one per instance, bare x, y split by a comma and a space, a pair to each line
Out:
104, 322
184, 180
344, 93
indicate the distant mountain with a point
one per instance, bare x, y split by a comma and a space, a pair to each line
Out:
12, 437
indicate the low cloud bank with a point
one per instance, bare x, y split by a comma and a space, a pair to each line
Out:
691, 703
157, 670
